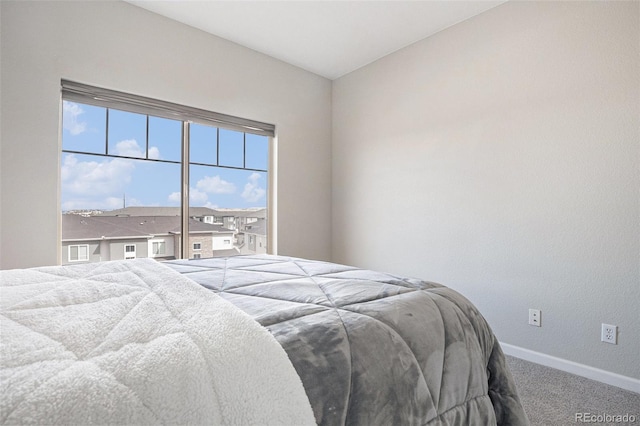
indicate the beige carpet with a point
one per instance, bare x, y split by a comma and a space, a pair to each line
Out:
554, 397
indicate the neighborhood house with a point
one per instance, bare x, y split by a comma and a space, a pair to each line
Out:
155, 232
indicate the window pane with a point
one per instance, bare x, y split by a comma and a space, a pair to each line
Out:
103, 183
159, 248
257, 152
127, 134
203, 146
129, 251
73, 252
218, 187
165, 139
118, 204
83, 128
231, 148
228, 207
116, 208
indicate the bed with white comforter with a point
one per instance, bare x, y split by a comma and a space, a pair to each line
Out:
134, 343
247, 340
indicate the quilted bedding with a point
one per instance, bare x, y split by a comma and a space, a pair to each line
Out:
372, 348
134, 342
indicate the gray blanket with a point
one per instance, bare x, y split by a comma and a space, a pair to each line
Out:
372, 348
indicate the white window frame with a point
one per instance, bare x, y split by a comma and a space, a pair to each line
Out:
78, 246
199, 246
111, 99
127, 254
152, 252
161, 247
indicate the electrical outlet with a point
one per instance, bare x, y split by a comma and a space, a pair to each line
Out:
609, 334
534, 317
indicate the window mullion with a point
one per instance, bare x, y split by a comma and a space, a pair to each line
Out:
106, 132
146, 156
217, 146
184, 228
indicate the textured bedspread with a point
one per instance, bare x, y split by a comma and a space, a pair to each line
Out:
132, 343
372, 348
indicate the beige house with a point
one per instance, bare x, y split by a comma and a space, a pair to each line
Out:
254, 236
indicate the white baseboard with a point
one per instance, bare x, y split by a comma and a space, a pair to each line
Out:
614, 379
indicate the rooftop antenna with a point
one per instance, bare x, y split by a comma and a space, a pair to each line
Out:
124, 201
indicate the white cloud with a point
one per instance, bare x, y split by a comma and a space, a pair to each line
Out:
95, 179
130, 148
252, 190
215, 185
196, 197
98, 184
71, 113
154, 153
108, 203
174, 197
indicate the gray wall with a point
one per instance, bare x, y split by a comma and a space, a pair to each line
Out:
123, 47
503, 153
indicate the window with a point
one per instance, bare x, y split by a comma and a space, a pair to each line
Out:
197, 246
158, 248
78, 253
124, 170
197, 256
130, 251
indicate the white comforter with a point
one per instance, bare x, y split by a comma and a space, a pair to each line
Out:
133, 342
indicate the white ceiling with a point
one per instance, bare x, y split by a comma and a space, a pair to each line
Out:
329, 38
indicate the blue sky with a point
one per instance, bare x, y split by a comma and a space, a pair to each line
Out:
96, 182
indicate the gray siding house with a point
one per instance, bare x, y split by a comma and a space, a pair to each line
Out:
115, 237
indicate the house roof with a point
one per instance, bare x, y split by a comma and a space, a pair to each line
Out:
258, 227
75, 227
156, 211
193, 212
257, 213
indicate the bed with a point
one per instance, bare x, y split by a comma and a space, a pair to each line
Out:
245, 340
